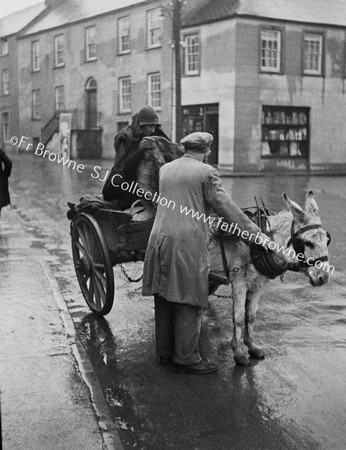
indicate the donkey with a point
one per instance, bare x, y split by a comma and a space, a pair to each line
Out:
297, 227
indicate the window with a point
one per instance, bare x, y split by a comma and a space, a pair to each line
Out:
285, 132
125, 94
36, 104
5, 120
124, 28
154, 27
270, 51
90, 43
4, 47
35, 56
59, 46
59, 98
192, 55
5, 82
312, 52
154, 90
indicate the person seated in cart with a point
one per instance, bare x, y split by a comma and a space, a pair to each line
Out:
128, 154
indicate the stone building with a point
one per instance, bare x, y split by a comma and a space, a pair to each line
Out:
273, 74
267, 78
9, 102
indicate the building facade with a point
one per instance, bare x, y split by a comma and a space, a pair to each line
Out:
101, 68
267, 78
9, 99
275, 74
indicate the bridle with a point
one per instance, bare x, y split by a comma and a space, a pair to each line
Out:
298, 245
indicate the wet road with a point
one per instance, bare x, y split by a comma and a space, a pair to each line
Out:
293, 399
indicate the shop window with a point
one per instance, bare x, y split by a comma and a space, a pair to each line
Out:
285, 132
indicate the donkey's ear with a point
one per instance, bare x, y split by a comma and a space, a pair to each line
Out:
296, 210
311, 205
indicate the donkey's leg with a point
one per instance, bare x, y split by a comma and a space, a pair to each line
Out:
239, 295
251, 307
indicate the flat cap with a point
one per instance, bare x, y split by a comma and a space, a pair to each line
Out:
197, 140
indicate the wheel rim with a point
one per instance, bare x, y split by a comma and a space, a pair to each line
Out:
92, 264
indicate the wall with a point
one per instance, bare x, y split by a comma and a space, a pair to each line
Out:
215, 84
9, 103
106, 70
324, 95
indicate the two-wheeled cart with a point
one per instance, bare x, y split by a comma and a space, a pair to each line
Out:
101, 239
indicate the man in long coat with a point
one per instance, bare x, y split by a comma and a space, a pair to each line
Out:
5, 172
177, 260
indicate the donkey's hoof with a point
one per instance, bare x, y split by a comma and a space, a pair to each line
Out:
257, 353
241, 360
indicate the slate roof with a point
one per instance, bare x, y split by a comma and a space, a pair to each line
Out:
70, 11
14, 22
331, 12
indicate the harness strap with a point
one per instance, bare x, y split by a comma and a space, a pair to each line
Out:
223, 255
299, 232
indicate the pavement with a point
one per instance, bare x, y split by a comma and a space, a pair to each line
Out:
50, 398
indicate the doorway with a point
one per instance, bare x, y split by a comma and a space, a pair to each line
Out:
203, 118
91, 104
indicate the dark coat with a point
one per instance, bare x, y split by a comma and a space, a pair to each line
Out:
177, 260
5, 172
127, 158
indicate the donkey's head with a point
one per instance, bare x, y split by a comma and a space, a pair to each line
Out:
310, 240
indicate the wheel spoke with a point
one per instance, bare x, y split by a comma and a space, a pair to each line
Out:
100, 289
101, 277
91, 290
82, 237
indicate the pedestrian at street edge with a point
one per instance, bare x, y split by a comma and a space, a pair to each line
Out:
5, 173
177, 261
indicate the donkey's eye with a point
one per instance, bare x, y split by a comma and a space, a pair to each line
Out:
309, 244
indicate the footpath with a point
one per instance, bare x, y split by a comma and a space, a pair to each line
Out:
49, 396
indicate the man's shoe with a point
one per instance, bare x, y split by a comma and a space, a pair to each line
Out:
202, 368
165, 360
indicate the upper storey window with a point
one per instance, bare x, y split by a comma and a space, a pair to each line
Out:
270, 51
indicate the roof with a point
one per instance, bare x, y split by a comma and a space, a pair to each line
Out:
331, 12
70, 11
14, 22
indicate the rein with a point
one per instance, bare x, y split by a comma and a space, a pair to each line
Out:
297, 245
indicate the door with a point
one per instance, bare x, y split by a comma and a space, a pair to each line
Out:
212, 127
91, 104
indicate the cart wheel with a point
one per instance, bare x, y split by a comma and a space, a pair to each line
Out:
92, 264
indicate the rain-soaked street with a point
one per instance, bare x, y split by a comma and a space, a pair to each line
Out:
293, 399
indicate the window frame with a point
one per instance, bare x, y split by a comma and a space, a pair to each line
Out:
5, 83
285, 128
311, 72
4, 44
58, 99
36, 106
122, 107
88, 43
56, 51
158, 44
186, 62
151, 91
271, 69
121, 50
35, 56
3, 126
